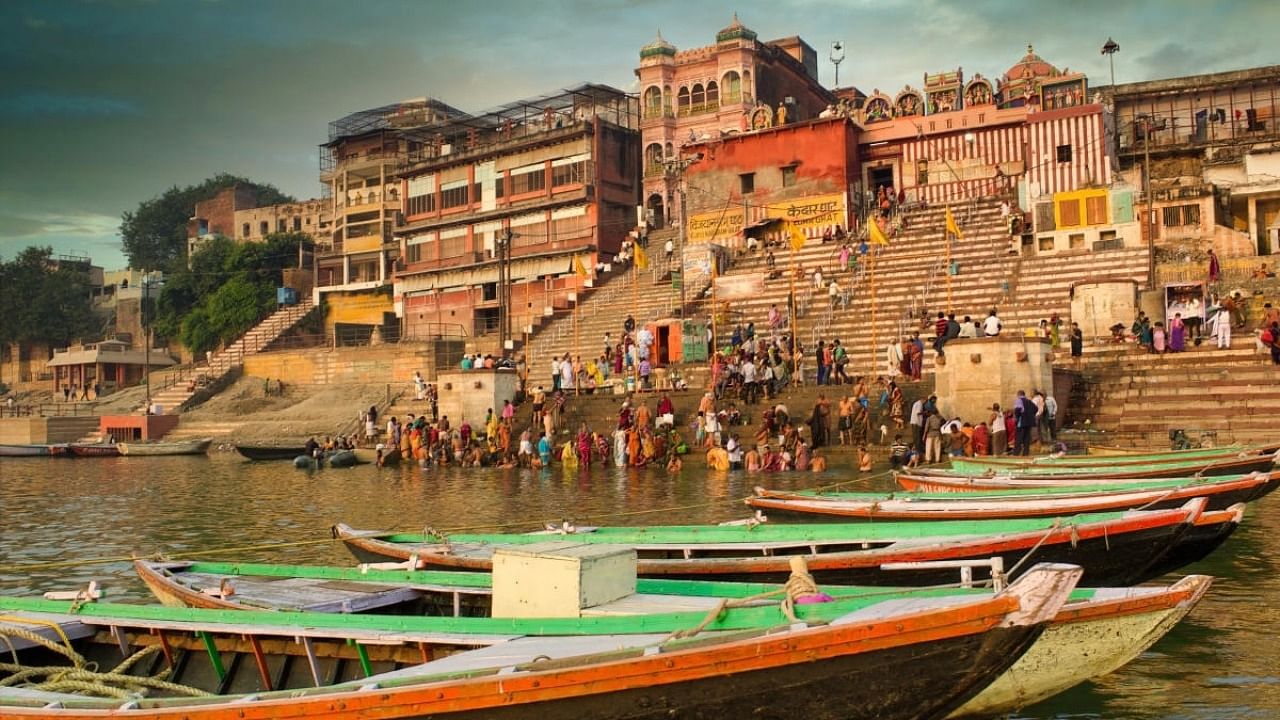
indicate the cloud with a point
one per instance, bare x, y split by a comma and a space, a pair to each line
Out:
96, 235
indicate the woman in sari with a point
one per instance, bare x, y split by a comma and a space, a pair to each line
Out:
1158, 338
1177, 333
584, 446
896, 410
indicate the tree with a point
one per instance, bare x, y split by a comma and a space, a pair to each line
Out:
43, 301
155, 234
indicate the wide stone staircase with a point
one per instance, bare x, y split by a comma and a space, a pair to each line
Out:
646, 295
1135, 398
173, 396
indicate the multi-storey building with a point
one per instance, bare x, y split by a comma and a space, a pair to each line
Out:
307, 216
358, 167
1210, 143
704, 93
511, 209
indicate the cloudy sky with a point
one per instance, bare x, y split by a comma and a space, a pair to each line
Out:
106, 103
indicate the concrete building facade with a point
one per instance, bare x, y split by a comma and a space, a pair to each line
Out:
513, 209
708, 92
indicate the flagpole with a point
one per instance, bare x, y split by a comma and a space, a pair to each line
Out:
792, 310
635, 303
871, 271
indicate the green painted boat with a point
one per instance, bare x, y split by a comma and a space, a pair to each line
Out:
887, 656
1114, 548
1096, 632
1209, 466
1154, 458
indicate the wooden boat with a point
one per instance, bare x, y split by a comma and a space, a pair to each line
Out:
1177, 456
1180, 468
966, 506
270, 452
1113, 548
26, 450
851, 658
1207, 532
180, 447
390, 456
342, 459
1096, 632
93, 449
927, 481
1086, 640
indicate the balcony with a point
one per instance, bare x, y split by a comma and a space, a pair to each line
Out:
700, 109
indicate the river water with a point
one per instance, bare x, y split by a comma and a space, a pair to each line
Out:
1222, 662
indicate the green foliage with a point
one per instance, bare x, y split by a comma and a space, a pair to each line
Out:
43, 304
228, 288
155, 234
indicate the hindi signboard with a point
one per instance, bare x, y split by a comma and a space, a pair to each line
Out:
815, 211
717, 226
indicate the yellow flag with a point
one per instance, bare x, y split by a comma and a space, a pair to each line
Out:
951, 225
642, 260
797, 237
577, 266
875, 234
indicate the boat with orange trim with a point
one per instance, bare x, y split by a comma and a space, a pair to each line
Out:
1057, 502
1113, 548
882, 657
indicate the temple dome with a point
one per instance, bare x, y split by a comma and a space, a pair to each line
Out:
659, 46
1030, 66
735, 31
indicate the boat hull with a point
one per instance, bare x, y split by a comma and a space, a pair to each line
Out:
1117, 553
903, 661
95, 450
265, 452
1220, 495
25, 451
1087, 640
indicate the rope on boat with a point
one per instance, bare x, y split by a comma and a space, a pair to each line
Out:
800, 584
1057, 523
82, 677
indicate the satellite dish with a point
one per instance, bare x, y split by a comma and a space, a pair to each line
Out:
837, 51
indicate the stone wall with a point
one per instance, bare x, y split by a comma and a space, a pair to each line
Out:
1098, 306
325, 366
40, 430
982, 371
470, 394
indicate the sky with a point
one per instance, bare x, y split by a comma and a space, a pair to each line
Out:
107, 103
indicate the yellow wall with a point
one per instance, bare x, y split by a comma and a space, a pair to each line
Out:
1079, 197
357, 308
321, 366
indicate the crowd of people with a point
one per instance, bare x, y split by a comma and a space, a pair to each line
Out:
1004, 431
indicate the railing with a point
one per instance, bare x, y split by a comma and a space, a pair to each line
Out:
55, 409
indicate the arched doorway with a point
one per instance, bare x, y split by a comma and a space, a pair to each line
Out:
655, 211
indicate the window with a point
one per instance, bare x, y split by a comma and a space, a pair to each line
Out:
1095, 210
571, 228
297, 223
1046, 243
280, 225
244, 230
713, 94
475, 193
571, 174
1064, 153
1075, 241
453, 197
922, 172
419, 204
413, 253
1181, 215
499, 186
788, 176
748, 181
453, 247
652, 102
264, 227
1069, 213
528, 181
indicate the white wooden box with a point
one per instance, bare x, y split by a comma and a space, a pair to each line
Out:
560, 578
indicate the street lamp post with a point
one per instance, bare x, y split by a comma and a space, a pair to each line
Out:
1110, 49
503, 241
1150, 221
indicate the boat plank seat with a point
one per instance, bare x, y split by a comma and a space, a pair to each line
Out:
523, 650
70, 625
311, 594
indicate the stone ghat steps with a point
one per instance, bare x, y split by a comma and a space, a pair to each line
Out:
203, 429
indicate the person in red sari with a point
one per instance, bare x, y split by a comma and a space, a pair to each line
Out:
981, 441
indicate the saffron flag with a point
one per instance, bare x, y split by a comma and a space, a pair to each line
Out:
875, 234
577, 266
642, 259
796, 236
951, 225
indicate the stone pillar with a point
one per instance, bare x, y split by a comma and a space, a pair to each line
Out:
1253, 221
982, 371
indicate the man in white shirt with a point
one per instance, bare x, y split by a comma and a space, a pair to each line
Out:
669, 248
833, 293
917, 424
991, 327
